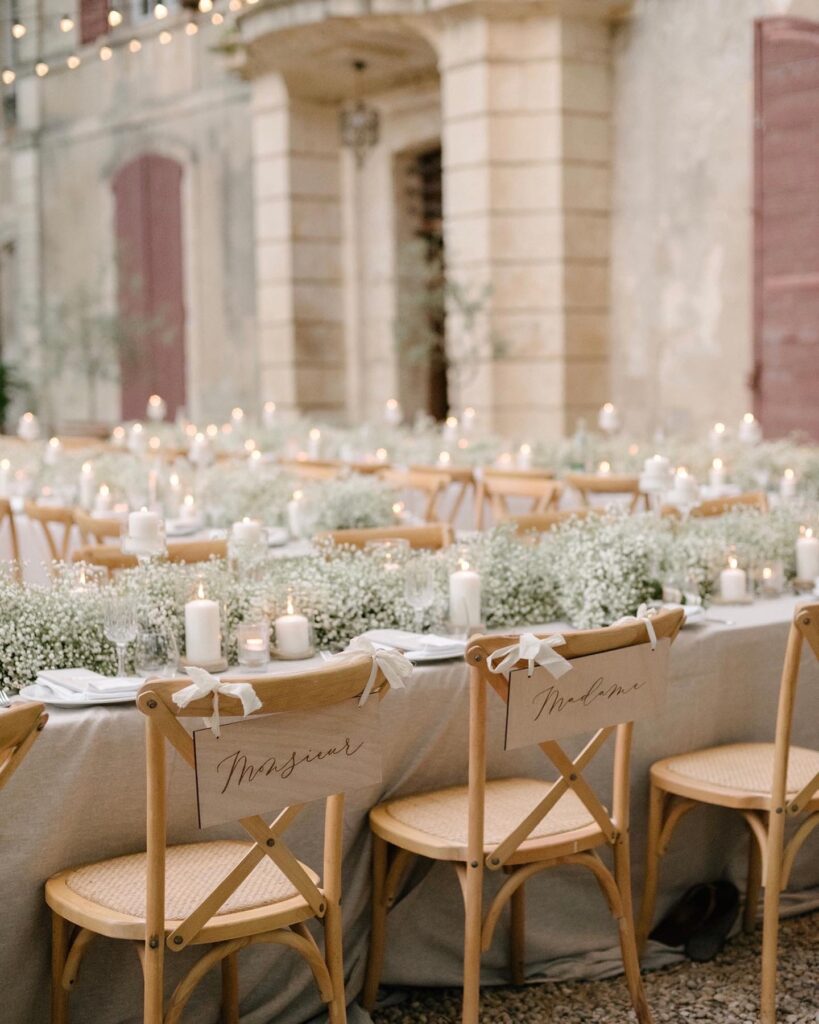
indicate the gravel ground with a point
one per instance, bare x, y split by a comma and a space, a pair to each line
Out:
722, 992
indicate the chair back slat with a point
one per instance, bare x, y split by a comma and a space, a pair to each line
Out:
20, 725
804, 628
429, 484
187, 552
613, 484
719, 506
96, 528
497, 486
314, 469
56, 523
542, 522
431, 536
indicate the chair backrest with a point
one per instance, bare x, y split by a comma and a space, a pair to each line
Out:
57, 523
666, 625
311, 691
7, 516
719, 506
432, 536
20, 725
187, 552
542, 522
621, 484
313, 469
431, 484
499, 485
96, 528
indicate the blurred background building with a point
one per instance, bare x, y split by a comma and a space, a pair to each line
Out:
527, 206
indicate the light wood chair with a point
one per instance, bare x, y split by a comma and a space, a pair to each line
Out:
521, 826
20, 725
113, 558
611, 484
95, 529
497, 486
432, 536
313, 469
719, 506
542, 522
429, 484
56, 523
180, 896
769, 784
7, 516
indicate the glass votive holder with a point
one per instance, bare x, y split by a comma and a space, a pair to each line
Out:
253, 643
770, 578
392, 552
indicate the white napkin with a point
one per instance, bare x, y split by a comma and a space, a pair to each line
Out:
423, 644
83, 680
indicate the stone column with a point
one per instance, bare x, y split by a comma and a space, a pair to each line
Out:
298, 248
525, 104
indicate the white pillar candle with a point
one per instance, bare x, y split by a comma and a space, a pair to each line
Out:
450, 431
294, 514
173, 495
53, 450
314, 443
392, 412
807, 556
749, 430
5, 470
153, 487
87, 485
203, 639
465, 597
733, 582
118, 437
237, 416
608, 419
187, 511
685, 487
292, 634
269, 414
717, 436
103, 500
28, 427
716, 474
787, 485
254, 460
137, 441
468, 421
248, 531
199, 450
156, 408
523, 460
144, 527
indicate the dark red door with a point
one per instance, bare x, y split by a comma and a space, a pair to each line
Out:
148, 201
786, 372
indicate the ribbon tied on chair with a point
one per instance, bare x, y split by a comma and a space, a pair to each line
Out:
536, 651
204, 683
394, 666
641, 616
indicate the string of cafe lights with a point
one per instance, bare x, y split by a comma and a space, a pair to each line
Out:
18, 28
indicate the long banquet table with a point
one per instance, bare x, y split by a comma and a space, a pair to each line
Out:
81, 796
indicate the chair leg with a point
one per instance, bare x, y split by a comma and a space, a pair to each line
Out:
656, 803
154, 971
230, 989
333, 955
59, 952
770, 917
753, 884
628, 942
473, 900
517, 937
378, 929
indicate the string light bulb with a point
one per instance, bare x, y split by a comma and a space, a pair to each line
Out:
73, 61
235, 5
160, 10
18, 30
134, 46
41, 68
66, 23
216, 18
165, 37
106, 53
191, 28
8, 76
114, 17
205, 6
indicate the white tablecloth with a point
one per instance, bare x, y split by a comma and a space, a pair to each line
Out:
81, 796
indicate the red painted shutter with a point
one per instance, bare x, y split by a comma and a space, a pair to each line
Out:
93, 19
148, 198
786, 377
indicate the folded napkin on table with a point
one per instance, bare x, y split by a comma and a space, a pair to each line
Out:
82, 686
420, 644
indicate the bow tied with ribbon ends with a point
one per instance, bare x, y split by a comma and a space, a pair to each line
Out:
394, 666
204, 684
536, 651
643, 615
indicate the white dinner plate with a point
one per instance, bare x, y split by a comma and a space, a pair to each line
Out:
422, 657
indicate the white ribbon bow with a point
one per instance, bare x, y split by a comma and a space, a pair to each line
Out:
641, 616
204, 683
536, 651
394, 666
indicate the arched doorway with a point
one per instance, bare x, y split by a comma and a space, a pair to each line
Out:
150, 282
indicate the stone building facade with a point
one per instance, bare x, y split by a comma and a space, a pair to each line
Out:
596, 193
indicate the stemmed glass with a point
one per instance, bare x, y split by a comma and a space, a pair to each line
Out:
120, 624
419, 588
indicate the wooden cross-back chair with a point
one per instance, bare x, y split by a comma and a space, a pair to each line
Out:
542, 522
56, 523
186, 552
612, 484
20, 725
497, 486
313, 469
7, 516
432, 536
429, 484
769, 784
95, 529
719, 506
559, 822
143, 899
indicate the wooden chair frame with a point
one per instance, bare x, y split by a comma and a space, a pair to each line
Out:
613, 484
20, 725
313, 469
95, 529
431, 536
282, 923
498, 485
770, 858
519, 856
187, 552
53, 519
7, 515
719, 506
431, 483
542, 522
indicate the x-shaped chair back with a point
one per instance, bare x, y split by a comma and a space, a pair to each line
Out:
97, 529
499, 485
719, 506
314, 469
431, 484
570, 770
20, 725
614, 484
56, 523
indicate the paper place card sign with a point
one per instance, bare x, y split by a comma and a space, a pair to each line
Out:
266, 763
602, 689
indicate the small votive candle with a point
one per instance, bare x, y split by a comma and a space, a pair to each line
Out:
103, 501
608, 419
716, 474
392, 412
523, 460
28, 427
253, 643
749, 430
314, 443
52, 451
717, 436
787, 485
156, 408
293, 634
269, 414
294, 522
118, 437
187, 511
733, 582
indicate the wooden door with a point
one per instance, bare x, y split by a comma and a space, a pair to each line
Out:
148, 202
786, 316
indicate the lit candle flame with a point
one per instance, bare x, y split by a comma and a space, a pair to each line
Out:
788, 474
200, 593
732, 562
717, 463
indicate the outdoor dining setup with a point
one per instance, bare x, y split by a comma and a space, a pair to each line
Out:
295, 721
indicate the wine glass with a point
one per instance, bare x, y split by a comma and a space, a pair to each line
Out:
156, 651
120, 624
419, 588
